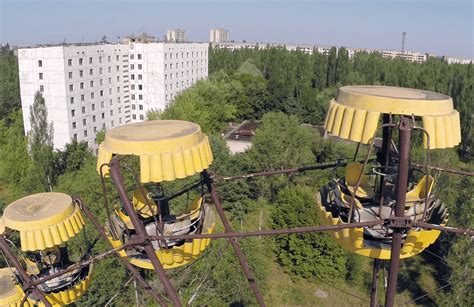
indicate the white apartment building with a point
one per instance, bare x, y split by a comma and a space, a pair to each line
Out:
92, 87
176, 36
218, 36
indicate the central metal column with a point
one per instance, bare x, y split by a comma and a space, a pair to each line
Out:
140, 230
402, 182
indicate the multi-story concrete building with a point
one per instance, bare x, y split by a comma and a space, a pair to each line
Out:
176, 36
218, 36
92, 87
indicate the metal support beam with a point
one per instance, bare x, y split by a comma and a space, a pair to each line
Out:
404, 129
140, 230
238, 251
135, 273
28, 282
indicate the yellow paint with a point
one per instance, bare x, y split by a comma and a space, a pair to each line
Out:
415, 242
174, 257
43, 220
355, 113
168, 149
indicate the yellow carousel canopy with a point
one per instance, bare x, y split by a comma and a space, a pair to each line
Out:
168, 149
44, 220
355, 113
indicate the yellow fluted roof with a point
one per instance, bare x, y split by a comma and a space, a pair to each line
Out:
44, 220
168, 149
355, 113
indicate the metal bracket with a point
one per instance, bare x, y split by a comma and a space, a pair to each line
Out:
403, 222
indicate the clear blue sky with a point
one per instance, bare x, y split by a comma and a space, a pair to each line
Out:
440, 27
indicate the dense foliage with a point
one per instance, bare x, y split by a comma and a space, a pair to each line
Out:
281, 89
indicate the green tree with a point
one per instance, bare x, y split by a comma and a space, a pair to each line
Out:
40, 139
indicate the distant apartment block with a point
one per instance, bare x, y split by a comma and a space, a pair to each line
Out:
218, 36
176, 36
94, 87
412, 56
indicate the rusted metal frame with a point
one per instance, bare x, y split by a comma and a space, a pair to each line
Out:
364, 165
135, 273
140, 230
404, 129
386, 144
225, 235
468, 232
159, 221
443, 169
271, 232
238, 251
27, 280
375, 283
427, 171
218, 179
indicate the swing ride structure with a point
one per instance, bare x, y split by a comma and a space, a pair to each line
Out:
384, 207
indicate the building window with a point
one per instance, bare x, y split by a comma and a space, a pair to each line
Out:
91, 71
110, 80
140, 97
93, 118
132, 87
84, 121
111, 112
118, 78
93, 107
100, 71
102, 104
103, 115
73, 113
133, 96
85, 132
109, 69
82, 97
134, 116
133, 107
70, 75
117, 57
90, 60
140, 87
120, 120
41, 76
139, 77
40, 63
118, 68
100, 59
166, 87
95, 129
71, 100
166, 77
166, 66
101, 93
74, 136
83, 110
101, 81
80, 61
142, 117
132, 66
110, 91
108, 58
81, 85
132, 77
171, 66
69, 62
140, 107
91, 83
118, 89
132, 56
139, 56
71, 87
92, 95
81, 73
73, 125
